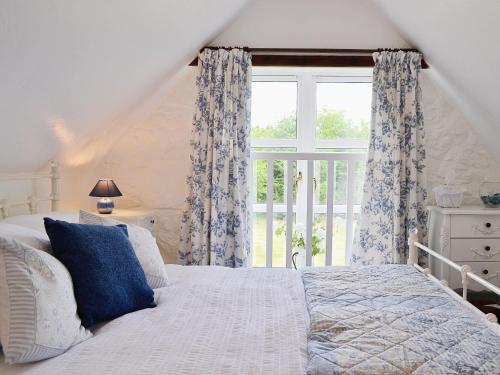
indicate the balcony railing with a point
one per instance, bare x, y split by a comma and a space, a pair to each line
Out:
300, 168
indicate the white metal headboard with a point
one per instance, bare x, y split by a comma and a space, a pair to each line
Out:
32, 201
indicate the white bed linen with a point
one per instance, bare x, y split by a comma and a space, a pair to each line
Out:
35, 221
210, 320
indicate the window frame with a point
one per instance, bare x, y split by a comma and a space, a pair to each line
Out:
307, 79
305, 141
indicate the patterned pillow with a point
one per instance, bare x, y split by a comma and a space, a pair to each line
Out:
144, 245
38, 316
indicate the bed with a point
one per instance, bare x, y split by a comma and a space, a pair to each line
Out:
392, 319
208, 321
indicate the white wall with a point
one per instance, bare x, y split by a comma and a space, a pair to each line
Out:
311, 24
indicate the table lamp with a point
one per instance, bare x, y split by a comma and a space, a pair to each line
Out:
105, 189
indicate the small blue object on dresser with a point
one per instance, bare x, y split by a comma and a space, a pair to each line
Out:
108, 279
492, 201
489, 192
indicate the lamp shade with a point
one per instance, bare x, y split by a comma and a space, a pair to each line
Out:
105, 188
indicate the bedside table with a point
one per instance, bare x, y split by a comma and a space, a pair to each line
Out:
142, 218
466, 235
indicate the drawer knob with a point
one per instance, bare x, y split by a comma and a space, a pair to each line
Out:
488, 225
485, 272
487, 248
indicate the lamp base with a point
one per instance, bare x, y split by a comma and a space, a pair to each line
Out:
105, 206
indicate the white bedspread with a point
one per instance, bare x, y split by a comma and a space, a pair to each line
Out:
208, 321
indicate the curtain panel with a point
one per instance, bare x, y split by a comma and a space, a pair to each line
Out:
215, 227
394, 189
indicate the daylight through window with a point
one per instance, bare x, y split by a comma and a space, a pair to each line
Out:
305, 111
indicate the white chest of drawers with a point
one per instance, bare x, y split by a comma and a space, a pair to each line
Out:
467, 235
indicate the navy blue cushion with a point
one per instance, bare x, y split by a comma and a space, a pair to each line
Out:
108, 279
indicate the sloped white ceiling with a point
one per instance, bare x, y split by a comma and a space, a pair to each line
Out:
461, 39
68, 68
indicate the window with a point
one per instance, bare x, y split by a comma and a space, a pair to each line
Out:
343, 111
309, 111
277, 121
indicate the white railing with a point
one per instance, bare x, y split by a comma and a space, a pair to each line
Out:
305, 163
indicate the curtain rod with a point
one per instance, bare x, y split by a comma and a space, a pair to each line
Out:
312, 50
312, 57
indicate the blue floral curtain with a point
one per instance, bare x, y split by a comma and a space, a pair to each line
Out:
394, 191
215, 228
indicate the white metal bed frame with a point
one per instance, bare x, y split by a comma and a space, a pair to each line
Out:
32, 201
465, 270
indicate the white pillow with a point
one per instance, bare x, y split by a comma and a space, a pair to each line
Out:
144, 245
35, 221
30, 237
38, 317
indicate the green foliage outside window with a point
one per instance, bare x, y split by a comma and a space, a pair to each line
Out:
331, 124
298, 241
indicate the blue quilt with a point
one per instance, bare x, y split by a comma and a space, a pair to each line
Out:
391, 319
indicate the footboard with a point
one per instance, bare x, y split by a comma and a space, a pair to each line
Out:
465, 270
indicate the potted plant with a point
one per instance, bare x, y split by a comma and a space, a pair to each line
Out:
299, 242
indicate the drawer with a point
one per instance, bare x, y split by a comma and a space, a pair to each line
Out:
466, 226
490, 271
475, 249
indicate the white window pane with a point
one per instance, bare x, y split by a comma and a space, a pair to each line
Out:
343, 110
274, 110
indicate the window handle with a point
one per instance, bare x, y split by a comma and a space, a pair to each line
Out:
298, 179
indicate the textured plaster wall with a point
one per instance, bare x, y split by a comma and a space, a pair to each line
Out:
151, 160
454, 145
149, 163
